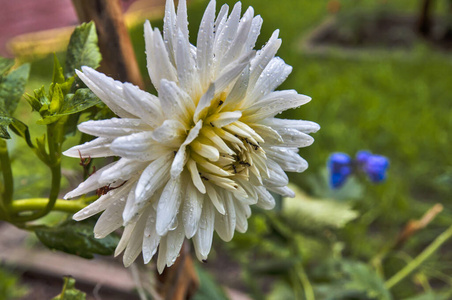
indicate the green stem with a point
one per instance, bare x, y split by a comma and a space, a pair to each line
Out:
307, 286
415, 263
8, 181
54, 145
69, 206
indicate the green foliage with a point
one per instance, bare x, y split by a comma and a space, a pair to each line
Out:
306, 212
69, 291
208, 288
12, 86
82, 49
9, 283
77, 238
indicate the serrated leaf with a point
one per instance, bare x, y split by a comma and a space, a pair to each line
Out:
81, 100
5, 65
12, 87
56, 99
77, 238
82, 49
363, 278
306, 212
69, 291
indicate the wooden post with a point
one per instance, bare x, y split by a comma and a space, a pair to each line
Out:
118, 58
425, 18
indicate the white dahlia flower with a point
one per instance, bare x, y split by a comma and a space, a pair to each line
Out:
194, 158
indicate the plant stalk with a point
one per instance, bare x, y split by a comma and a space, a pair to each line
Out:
8, 181
423, 256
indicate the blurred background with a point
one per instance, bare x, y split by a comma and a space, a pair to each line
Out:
380, 76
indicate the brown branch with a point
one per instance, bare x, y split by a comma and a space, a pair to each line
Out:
425, 18
414, 226
180, 281
118, 57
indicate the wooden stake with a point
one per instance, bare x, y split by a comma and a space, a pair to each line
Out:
118, 57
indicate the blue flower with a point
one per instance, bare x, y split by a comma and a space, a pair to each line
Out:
375, 168
340, 167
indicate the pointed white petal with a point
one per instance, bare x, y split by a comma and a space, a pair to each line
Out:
139, 146
192, 208
301, 125
202, 240
99, 147
288, 159
283, 191
153, 178
181, 158
174, 241
170, 133
124, 169
266, 200
113, 127
135, 243
110, 220
146, 106
90, 184
215, 199
100, 84
225, 224
151, 239
204, 55
168, 205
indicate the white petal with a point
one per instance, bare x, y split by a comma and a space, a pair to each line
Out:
181, 158
113, 127
135, 243
242, 212
125, 237
277, 175
182, 22
185, 65
168, 205
264, 56
287, 158
175, 102
174, 241
295, 138
283, 191
138, 146
99, 147
192, 209
171, 133
102, 203
147, 106
153, 178
110, 220
204, 56
274, 103
215, 199
161, 259
196, 178
124, 169
202, 240
301, 125
95, 82
158, 62
90, 184
273, 75
266, 200
225, 224
151, 239
170, 29
254, 33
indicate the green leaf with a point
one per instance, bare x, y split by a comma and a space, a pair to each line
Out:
58, 75
21, 130
306, 212
208, 288
363, 278
5, 121
12, 87
69, 291
81, 100
82, 49
56, 99
77, 238
5, 65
